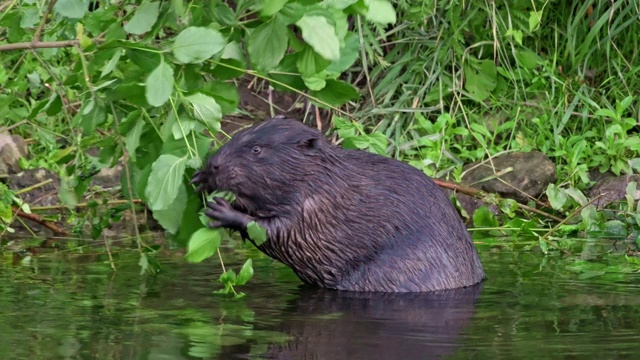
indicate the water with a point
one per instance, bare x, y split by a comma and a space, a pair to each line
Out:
64, 306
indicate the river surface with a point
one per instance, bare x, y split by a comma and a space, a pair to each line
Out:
74, 306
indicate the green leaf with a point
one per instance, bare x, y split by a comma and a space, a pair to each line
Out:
615, 229
66, 193
54, 105
292, 12
111, 65
591, 274
132, 139
202, 244
271, 7
380, 11
534, 19
228, 278
336, 93
606, 113
339, 4
480, 78
517, 35
245, 273
92, 115
623, 105
310, 62
341, 23
164, 181
74, 9
631, 194
509, 207
257, 233
145, 58
30, 17
589, 216
577, 195
159, 85
315, 82
348, 54
557, 196
483, 217
143, 263
184, 127
197, 44
226, 94
634, 163
143, 18
267, 44
190, 222
224, 14
171, 217
376, 142
206, 109
318, 32
527, 58
544, 246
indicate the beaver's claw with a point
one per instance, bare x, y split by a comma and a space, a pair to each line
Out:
225, 216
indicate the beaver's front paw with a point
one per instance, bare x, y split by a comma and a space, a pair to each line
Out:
225, 216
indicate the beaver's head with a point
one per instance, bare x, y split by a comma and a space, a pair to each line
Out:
267, 166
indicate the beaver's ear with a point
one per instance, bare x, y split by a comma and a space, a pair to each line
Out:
309, 143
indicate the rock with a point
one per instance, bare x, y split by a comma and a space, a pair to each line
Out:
12, 148
108, 177
613, 189
596, 176
46, 195
532, 172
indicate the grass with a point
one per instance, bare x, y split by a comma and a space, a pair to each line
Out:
549, 81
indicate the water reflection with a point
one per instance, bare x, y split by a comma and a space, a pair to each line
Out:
75, 306
327, 324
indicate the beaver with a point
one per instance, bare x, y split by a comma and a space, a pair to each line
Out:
341, 219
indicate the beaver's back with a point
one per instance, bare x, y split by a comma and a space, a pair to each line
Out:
421, 242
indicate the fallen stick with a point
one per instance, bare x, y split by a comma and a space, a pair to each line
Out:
36, 218
479, 194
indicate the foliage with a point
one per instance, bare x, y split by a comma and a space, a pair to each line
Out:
8, 200
619, 223
144, 79
443, 84
533, 74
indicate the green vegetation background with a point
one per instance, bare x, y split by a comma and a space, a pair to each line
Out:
435, 83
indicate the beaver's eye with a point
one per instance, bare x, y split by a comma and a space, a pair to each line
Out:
256, 150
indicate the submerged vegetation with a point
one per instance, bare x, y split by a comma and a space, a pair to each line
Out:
148, 84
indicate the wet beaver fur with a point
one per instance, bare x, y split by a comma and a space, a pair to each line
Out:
341, 219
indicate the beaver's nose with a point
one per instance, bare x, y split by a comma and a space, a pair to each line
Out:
214, 163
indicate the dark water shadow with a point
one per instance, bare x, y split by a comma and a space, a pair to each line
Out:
327, 324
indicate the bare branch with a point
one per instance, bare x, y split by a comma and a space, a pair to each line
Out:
38, 45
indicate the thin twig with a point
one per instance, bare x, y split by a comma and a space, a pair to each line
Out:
27, 189
365, 66
125, 164
10, 127
6, 5
106, 245
572, 215
36, 37
81, 205
539, 212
